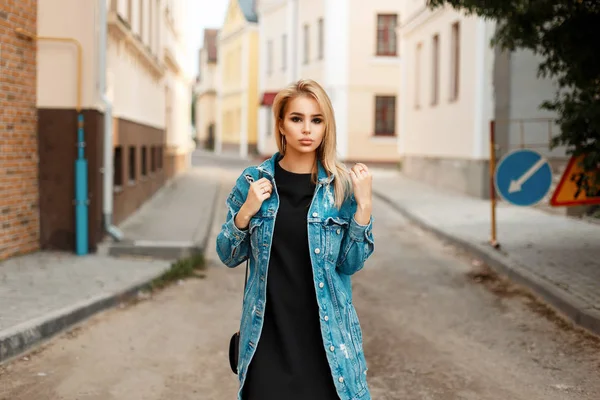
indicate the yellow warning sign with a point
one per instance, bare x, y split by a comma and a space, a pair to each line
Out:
576, 187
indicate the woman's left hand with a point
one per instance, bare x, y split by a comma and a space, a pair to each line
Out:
362, 184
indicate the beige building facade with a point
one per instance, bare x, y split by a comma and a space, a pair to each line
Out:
134, 94
455, 83
237, 80
359, 68
206, 91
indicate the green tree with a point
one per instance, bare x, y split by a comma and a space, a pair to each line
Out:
565, 33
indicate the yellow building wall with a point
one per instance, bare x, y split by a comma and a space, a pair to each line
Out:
253, 95
230, 54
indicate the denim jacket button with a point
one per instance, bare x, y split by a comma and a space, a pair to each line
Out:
341, 379
326, 318
317, 251
332, 348
338, 231
321, 284
315, 215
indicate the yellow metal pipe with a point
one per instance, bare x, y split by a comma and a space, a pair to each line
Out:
493, 239
74, 41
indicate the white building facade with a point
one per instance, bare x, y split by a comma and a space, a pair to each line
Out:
133, 89
455, 84
350, 47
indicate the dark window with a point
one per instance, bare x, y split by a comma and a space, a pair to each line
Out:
118, 166
160, 157
144, 161
321, 39
418, 75
270, 57
132, 160
455, 62
306, 44
153, 159
386, 35
435, 70
284, 52
385, 115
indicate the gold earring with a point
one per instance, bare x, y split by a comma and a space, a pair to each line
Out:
283, 144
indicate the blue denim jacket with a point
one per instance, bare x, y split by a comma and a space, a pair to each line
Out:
339, 247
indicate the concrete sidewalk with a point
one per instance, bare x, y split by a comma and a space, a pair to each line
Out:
175, 222
556, 256
44, 293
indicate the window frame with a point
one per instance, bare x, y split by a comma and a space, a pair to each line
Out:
382, 41
385, 104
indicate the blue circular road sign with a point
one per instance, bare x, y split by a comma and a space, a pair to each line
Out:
523, 177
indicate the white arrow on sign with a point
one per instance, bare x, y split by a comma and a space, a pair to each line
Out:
515, 185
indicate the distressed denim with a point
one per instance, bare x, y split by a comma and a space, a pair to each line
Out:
338, 246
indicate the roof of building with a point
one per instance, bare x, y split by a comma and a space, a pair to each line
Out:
210, 44
249, 9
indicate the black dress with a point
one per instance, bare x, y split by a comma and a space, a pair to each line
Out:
290, 361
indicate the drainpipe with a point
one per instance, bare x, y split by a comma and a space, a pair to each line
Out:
81, 201
107, 203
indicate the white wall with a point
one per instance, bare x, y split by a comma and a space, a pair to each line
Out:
57, 62
276, 20
136, 94
451, 128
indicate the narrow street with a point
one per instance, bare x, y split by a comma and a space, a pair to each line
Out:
436, 327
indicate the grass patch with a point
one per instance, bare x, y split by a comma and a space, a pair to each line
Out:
180, 269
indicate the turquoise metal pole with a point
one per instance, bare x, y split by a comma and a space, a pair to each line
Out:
81, 189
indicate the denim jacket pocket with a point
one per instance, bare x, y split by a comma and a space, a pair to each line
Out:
335, 230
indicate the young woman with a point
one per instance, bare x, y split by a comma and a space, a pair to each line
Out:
304, 222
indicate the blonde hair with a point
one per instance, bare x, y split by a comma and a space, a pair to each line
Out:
326, 152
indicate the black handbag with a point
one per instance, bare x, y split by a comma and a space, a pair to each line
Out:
234, 342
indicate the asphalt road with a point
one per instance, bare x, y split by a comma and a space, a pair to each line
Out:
436, 325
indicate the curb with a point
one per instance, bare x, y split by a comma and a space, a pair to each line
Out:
574, 309
158, 250
18, 339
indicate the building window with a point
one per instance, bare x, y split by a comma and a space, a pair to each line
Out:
284, 52
118, 167
386, 35
306, 43
132, 169
270, 57
144, 161
455, 62
321, 39
141, 19
435, 69
151, 26
160, 159
385, 115
130, 12
152, 159
418, 75
270, 122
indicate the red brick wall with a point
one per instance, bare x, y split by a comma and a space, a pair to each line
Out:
19, 194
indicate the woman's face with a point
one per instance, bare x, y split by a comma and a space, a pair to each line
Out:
303, 125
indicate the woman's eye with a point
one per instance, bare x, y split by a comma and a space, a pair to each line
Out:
317, 121
295, 119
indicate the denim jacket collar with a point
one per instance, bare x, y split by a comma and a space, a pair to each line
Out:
268, 167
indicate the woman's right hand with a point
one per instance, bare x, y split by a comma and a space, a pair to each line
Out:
259, 191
